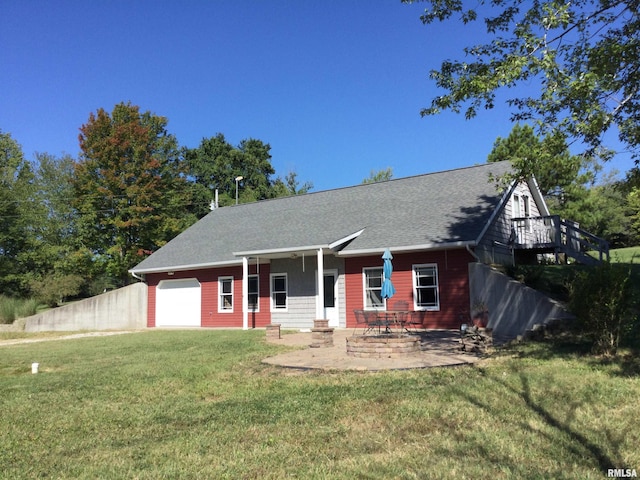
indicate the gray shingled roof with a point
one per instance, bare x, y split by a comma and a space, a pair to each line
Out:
424, 211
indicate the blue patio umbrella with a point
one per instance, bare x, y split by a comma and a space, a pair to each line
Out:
388, 290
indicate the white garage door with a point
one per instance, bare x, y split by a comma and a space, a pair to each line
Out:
178, 303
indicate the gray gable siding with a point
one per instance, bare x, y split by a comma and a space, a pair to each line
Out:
421, 212
493, 246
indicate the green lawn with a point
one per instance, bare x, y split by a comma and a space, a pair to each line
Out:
625, 255
199, 404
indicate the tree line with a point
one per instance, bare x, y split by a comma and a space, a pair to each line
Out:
74, 227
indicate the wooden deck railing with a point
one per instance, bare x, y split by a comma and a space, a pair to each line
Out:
552, 232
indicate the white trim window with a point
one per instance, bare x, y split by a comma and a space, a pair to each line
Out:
521, 207
225, 294
372, 288
516, 206
254, 293
279, 292
425, 287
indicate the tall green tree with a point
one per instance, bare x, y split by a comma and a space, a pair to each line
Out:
379, 176
632, 191
130, 192
290, 186
215, 164
562, 177
16, 214
58, 267
603, 211
577, 60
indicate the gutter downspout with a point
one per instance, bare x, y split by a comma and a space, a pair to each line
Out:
472, 253
134, 275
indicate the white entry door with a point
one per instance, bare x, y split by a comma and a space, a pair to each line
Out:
178, 303
331, 306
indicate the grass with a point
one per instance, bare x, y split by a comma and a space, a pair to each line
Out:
625, 255
200, 404
554, 279
12, 308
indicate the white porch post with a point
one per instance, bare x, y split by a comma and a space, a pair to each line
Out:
320, 298
245, 293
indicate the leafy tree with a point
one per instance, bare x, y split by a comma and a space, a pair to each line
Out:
633, 200
16, 200
602, 211
632, 190
580, 56
130, 192
605, 305
215, 164
58, 266
379, 176
290, 186
563, 178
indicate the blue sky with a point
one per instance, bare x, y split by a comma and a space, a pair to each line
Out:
335, 87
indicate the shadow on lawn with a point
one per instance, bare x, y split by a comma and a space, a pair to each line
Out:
568, 346
578, 444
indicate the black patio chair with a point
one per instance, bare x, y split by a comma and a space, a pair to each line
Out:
374, 322
414, 322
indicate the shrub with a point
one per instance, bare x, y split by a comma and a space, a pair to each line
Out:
26, 308
7, 309
54, 289
604, 302
12, 308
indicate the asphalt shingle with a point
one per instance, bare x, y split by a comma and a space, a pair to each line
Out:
431, 209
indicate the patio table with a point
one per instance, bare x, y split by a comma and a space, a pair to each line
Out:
383, 321
392, 319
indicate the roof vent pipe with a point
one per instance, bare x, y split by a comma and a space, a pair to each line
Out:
214, 203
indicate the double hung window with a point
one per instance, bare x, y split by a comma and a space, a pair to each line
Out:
225, 294
278, 291
372, 278
425, 287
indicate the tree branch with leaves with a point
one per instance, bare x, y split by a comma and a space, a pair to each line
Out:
581, 58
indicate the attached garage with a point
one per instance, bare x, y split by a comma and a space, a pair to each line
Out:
178, 303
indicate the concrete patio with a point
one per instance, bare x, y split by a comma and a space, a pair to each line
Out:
439, 348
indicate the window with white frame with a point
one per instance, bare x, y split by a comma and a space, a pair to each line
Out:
278, 291
225, 294
372, 278
521, 207
516, 209
253, 293
425, 287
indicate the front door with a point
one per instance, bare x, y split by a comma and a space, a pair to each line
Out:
331, 308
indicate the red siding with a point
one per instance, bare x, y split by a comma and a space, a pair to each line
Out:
210, 317
453, 282
152, 281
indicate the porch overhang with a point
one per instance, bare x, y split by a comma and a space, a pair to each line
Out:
182, 268
407, 248
284, 252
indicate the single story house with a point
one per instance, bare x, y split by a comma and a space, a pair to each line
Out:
318, 256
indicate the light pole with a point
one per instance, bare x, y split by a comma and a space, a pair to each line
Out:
237, 180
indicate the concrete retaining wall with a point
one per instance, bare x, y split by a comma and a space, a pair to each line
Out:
514, 308
122, 309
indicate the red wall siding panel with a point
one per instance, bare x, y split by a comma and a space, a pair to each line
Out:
152, 281
210, 317
453, 282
